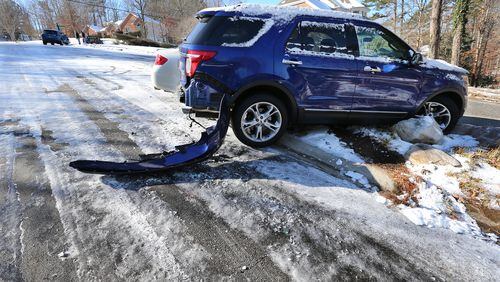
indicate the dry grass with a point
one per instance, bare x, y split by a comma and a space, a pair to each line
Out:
401, 177
477, 200
490, 156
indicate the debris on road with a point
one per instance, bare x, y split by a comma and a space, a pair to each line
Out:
182, 156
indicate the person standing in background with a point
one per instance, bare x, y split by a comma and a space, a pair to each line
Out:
83, 37
77, 35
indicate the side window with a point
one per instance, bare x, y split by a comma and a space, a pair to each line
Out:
376, 43
316, 38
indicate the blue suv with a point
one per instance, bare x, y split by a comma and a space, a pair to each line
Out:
283, 66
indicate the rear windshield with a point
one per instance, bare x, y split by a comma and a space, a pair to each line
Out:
50, 31
222, 30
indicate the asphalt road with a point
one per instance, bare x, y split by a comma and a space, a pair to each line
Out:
244, 215
482, 113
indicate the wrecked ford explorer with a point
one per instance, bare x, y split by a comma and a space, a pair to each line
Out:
265, 68
284, 66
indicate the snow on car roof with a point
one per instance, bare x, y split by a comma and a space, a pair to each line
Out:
285, 13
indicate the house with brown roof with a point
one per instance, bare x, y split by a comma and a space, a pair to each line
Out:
132, 23
93, 30
352, 6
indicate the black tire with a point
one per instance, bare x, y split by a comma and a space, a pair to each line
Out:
51, 43
242, 106
452, 108
61, 43
44, 42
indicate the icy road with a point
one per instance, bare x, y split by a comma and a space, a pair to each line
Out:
246, 214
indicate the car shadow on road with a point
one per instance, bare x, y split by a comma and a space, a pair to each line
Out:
221, 167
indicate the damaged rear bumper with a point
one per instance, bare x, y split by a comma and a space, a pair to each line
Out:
210, 142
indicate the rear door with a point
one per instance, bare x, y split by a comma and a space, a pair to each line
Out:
388, 84
318, 61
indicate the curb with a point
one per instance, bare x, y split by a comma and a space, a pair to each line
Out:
375, 175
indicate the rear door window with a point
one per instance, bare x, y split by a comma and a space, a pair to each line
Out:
228, 31
319, 38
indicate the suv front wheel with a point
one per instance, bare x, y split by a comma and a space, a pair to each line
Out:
259, 120
444, 110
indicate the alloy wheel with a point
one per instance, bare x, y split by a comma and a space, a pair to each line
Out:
439, 112
261, 122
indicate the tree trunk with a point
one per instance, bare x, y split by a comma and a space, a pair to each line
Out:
455, 47
402, 20
395, 16
435, 28
460, 20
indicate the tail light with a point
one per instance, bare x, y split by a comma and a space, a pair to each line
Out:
160, 60
194, 58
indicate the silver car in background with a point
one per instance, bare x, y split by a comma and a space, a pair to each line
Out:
165, 74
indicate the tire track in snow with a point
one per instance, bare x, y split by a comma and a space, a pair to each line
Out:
10, 210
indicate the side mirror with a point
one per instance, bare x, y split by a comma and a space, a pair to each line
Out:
417, 59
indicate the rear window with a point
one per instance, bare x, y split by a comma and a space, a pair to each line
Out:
227, 31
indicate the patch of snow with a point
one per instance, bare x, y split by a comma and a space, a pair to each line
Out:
490, 177
392, 141
434, 219
443, 65
451, 141
331, 144
359, 178
281, 13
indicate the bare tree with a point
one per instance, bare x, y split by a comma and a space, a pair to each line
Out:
140, 6
11, 17
435, 28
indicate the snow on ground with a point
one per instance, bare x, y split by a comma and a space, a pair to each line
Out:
112, 45
325, 140
436, 202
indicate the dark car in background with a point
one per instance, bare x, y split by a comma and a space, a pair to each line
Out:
54, 37
92, 40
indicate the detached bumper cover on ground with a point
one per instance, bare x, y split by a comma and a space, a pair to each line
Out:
210, 142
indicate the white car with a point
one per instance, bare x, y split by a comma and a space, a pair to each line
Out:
166, 75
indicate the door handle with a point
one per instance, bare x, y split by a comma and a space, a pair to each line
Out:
291, 62
370, 69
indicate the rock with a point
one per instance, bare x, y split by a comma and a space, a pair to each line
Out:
426, 154
419, 130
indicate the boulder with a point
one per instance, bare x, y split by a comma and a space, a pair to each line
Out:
419, 130
426, 154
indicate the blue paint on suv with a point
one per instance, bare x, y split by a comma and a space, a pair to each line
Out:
285, 66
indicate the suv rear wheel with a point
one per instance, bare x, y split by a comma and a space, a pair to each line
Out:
444, 110
259, 120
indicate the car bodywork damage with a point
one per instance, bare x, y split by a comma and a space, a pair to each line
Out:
184, 155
